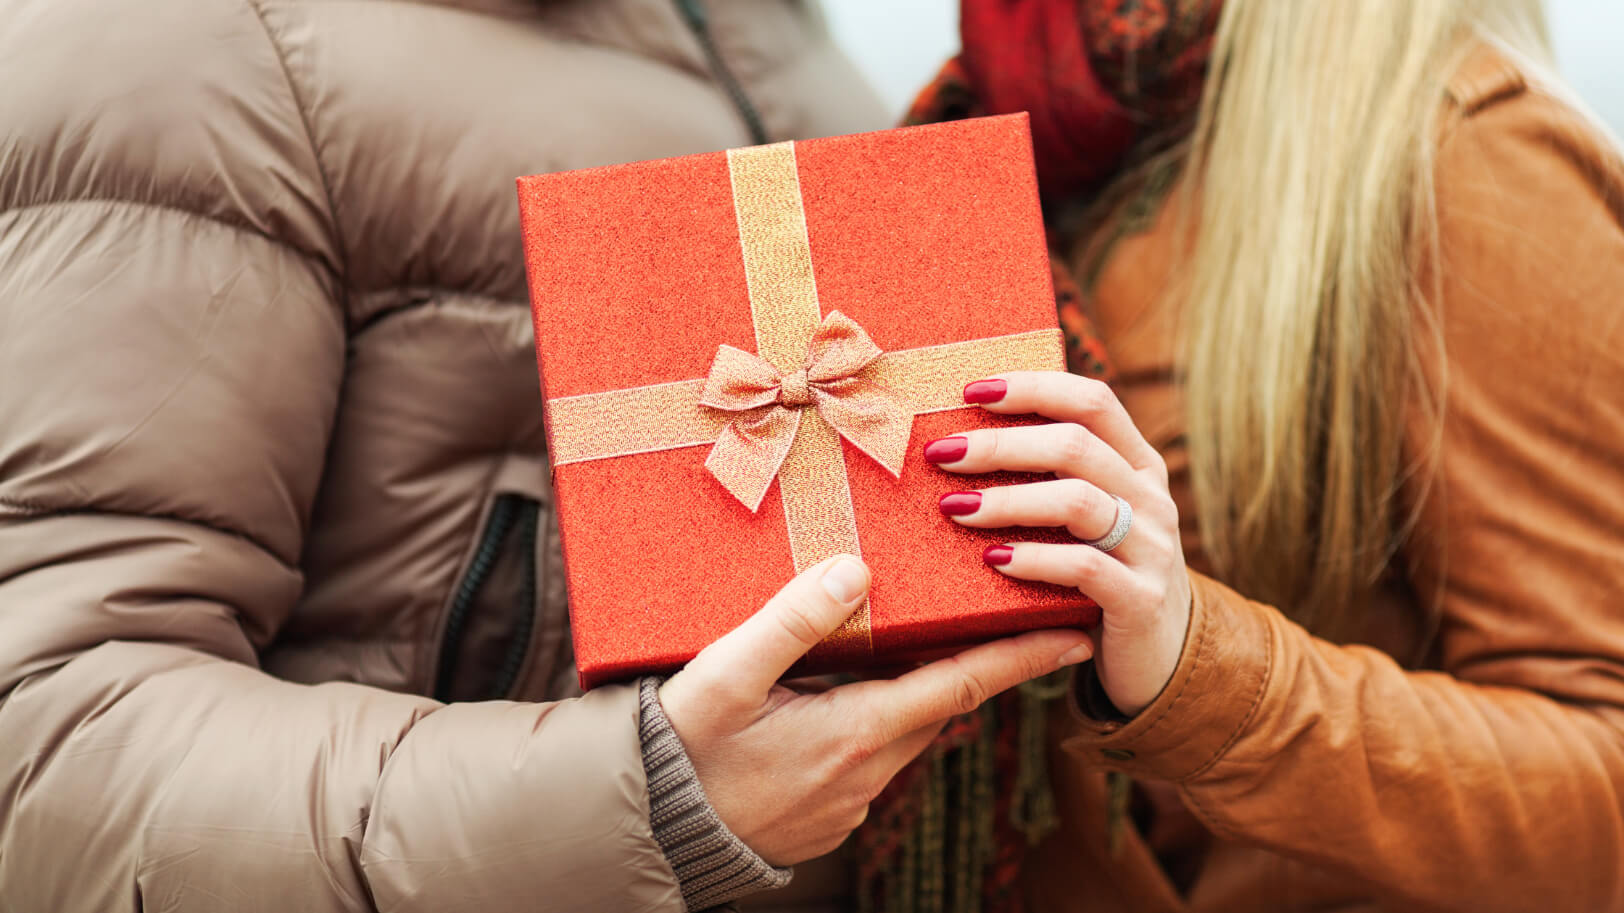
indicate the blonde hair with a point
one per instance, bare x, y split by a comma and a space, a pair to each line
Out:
1308, 180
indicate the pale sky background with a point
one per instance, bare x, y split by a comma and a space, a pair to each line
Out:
900, 43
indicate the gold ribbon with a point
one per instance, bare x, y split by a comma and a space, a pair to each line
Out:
781, 412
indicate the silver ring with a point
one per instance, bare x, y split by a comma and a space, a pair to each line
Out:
1119, 528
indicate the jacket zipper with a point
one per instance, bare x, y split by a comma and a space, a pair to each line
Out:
693, 12
507, 511
525, 619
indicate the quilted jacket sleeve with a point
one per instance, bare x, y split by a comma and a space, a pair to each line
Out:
171, 350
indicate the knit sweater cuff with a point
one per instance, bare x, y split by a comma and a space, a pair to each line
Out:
712, 865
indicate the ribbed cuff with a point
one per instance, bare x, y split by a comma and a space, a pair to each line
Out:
712, 865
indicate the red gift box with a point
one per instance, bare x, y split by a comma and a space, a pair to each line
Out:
741, 353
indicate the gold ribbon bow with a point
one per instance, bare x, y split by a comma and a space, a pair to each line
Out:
782, 411
834, 381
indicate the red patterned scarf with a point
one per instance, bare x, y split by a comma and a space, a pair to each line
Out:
1096, 76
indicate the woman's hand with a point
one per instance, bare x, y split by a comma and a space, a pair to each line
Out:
791, 773
1098, 453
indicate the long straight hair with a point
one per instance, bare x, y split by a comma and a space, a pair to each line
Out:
1305, 303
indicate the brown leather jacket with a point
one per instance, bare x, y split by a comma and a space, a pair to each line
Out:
269, 416
1280, 772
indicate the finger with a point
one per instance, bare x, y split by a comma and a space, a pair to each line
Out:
1081, 507
1101, 576
748, 660
1066, 398
961, 683
1064, 449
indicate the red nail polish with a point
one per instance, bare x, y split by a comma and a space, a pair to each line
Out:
959, 503
985, 391
998, 555
947, 449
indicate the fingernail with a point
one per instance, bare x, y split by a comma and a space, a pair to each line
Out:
1078, 654
947, 449
998, 555
845, 580
985, 391
959, 503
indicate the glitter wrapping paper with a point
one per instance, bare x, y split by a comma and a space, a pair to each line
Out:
924, 236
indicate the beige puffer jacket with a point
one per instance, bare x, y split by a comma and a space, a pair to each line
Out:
272, 486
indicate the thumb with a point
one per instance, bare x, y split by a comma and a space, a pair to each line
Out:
748, 660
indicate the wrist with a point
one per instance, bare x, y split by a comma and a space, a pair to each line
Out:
1223, 671
1133, 678
711, 863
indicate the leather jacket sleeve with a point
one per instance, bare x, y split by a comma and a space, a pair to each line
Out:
1489, 780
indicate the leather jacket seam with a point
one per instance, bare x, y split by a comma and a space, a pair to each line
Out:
1192, 800
1247, 717
1473, 93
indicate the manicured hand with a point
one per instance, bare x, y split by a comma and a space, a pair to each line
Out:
792, 773
1096, 452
